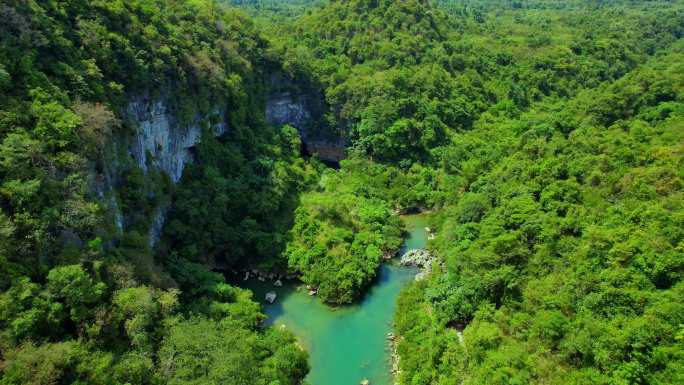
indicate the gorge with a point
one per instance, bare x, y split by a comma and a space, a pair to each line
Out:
153, 151
350, 343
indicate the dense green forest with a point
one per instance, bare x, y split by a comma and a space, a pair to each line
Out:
276, 10
564, 260
545, 137
82, 302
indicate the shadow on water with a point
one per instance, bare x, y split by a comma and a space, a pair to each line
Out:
259, 290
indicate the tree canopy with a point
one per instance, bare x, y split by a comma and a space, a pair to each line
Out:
544, 136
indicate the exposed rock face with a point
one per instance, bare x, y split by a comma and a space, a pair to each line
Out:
283, 108
161, 141
102, 188
324, 150
304, 111
157, 224
417, 257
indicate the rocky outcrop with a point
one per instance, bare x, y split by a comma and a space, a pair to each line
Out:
158, 140
418, 258
325, 150
157, 224
311, 290
161, 140
394, 356
303, 110
285, 108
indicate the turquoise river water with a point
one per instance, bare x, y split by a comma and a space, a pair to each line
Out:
348, 344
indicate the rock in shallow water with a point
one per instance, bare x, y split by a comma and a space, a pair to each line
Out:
416, 257
271, 296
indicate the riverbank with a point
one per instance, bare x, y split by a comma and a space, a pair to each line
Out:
346, 344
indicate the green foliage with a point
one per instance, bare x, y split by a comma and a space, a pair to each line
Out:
69, 362
73, 287
139, 310
342, 231
402, 78
563, 256
276, 10
546, 136
234, 205
84, 302
202, 351
26, 311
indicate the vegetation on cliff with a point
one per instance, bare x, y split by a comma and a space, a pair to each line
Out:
546, 137
80, 301
548, 140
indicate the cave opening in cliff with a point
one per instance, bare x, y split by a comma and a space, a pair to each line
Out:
307, 152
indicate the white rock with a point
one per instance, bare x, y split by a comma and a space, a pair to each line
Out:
416, 257
271, 296
162, 142
284, 109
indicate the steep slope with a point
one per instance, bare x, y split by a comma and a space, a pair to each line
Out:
563, 254
103, 104
276, 10
405, 82
145, 142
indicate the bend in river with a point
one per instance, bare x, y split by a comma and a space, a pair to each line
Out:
347, 344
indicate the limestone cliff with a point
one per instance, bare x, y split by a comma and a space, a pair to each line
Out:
161, 141
303, 109
158, 140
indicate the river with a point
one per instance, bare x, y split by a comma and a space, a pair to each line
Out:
346, 344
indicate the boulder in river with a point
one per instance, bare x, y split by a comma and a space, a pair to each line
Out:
278, 283
365, 382
416, 257
271, 296
312, 290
